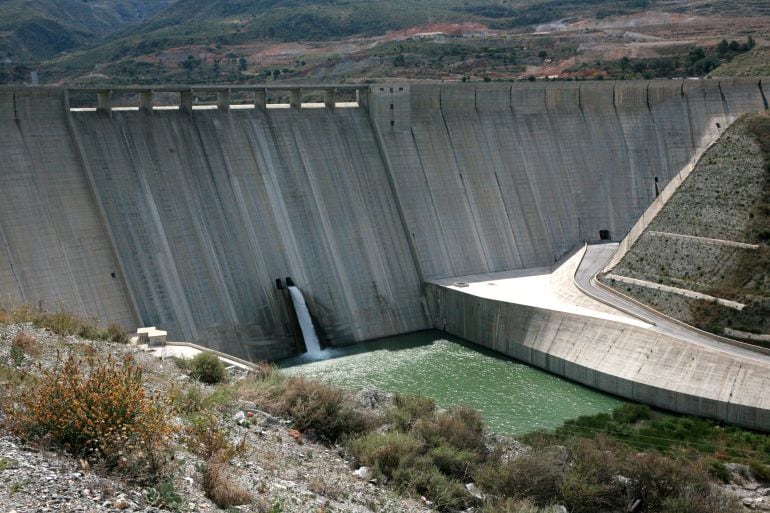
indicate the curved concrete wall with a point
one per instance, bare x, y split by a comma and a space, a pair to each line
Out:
197, 213
621, 359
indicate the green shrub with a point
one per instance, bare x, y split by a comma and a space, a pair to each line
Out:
760, 470
631, 413
408, 409
210, 441
384, 452
207, 368
164, 495
585, 492
321, 407
453, 462
115, 333
418, 476
719, 470
460, 428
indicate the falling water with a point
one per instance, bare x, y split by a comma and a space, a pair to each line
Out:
305, 323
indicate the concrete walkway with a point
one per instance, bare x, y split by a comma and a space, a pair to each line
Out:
570, 286
541, 287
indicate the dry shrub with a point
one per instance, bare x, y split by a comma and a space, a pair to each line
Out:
535, 476
323, 486
321, 407
210, 441
97, 411
219, 486
27, 344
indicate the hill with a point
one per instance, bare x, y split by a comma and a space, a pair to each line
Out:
41, 29
708, 246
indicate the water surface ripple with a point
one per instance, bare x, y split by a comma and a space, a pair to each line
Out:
512, 397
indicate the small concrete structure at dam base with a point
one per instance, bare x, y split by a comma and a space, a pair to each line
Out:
123, 209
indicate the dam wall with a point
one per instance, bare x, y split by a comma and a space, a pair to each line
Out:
184, 218
209, 208
55, 251
625, 360
505, 176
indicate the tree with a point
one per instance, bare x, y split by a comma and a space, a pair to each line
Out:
723, 48
242, 64
624, 63
542, 54
276, 73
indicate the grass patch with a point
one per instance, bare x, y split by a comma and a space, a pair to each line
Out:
63, 323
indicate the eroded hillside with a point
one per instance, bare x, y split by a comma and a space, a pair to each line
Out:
705, 258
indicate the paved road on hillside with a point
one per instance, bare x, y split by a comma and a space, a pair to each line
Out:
594, 260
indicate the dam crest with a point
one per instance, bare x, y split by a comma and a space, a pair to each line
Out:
143, 206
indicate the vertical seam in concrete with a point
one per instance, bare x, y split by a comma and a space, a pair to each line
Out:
647, 97
465, 191
211, 258
721, 92
510, 222
16, 114
392, 184
580, 101
11, 262
432, 200
80, 153
762, 92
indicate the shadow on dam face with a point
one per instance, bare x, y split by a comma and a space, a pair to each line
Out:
360, 193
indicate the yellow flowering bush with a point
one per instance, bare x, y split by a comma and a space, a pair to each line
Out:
97, 410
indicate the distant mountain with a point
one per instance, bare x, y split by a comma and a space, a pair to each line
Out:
238, 41
32, 30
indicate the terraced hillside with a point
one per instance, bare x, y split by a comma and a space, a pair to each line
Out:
705, 258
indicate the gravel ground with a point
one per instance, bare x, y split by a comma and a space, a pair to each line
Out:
284, 474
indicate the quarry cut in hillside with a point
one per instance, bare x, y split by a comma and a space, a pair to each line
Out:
704, 259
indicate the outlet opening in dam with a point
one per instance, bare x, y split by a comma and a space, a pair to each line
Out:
198, 207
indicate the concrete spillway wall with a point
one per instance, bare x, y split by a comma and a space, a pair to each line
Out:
197, 212
625, 360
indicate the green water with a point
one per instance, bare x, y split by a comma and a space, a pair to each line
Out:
512, 397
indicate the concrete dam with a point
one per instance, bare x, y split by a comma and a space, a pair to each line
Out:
185, 217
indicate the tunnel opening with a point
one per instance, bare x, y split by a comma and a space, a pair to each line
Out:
604, 235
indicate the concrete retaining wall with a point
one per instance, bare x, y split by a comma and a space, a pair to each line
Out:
624, 360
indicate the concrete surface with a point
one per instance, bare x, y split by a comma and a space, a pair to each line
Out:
198, 211
643, 362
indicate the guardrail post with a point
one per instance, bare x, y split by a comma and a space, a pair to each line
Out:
104, 101
329, 98
295, 98
185, 101
362, 97
223, 100
145, 101
260, 99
